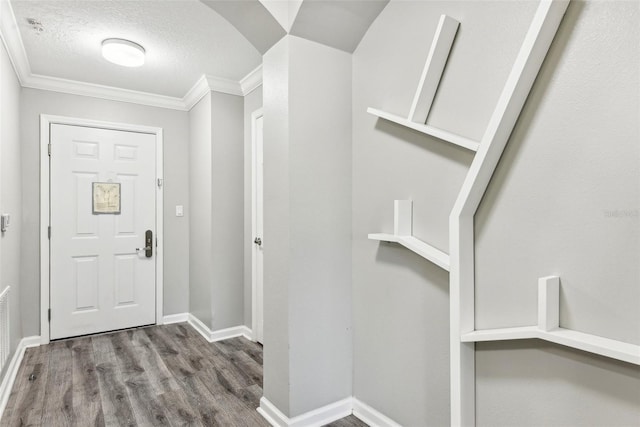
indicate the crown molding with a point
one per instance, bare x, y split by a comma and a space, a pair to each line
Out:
251, 81
195, 94
218, 84
12, 40
208, 83
55, 84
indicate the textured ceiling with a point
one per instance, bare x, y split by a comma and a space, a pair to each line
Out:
183, 39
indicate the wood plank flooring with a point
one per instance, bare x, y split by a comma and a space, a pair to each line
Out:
154, 376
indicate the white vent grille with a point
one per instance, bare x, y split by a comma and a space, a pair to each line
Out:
4, 327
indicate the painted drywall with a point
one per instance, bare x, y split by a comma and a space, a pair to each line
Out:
275, 78
568, 185
320, 245
252, 102
307, 235
401, 324
216, 185
227, 207
176, 136
535, 383
200, 213
10, 192
564, 200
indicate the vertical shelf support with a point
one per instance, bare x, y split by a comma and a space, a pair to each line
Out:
402, 217
433, 69
548, 303
534, 48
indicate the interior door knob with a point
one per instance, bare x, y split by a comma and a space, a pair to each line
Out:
258, 241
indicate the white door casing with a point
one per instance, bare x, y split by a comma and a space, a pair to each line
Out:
257, 252
92, 276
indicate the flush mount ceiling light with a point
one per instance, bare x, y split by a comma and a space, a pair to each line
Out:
123, 52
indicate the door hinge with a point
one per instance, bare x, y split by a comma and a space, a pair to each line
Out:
156, 241
159, 182
49, 315
49, 149
49, 232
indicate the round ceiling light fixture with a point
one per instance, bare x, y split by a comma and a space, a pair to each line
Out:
123, 52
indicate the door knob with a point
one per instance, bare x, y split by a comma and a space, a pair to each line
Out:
258, 241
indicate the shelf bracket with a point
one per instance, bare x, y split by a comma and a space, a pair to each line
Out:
402, 217
549, 303
403, 235
433, 69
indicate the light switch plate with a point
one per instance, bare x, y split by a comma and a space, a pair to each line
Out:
179, 210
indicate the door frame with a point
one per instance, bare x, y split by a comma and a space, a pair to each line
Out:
254, 286
46, 121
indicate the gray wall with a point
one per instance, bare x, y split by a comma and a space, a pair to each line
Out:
227, 210
217, 192
275, 78
307, 234
176, 136
200, 213
555, 180
10, 191
572, 159
564, 200
252, 102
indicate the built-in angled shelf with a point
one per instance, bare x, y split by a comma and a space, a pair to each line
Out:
403, 218
548, 329
443, 135
461, 261
427, 87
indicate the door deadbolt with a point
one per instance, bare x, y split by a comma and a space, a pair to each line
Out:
148, 244
258, 241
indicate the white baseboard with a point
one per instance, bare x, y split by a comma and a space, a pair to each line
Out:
371, 416
316, 418
221, 334
175, 318
12, 370
272, 414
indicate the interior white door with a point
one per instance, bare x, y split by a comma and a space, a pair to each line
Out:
258, 244
101, 277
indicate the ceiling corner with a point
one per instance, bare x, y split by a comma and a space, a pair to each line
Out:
254, 21
12, 40
337, 24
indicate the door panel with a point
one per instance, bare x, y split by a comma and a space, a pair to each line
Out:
99, 282
86, 282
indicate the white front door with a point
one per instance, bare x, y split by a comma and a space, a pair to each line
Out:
258, 227
102, 278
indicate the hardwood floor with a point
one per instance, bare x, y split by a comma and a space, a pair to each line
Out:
154, 376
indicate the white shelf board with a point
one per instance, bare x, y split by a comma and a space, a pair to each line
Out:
452, 138
592, 343
501, 334
423, 249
